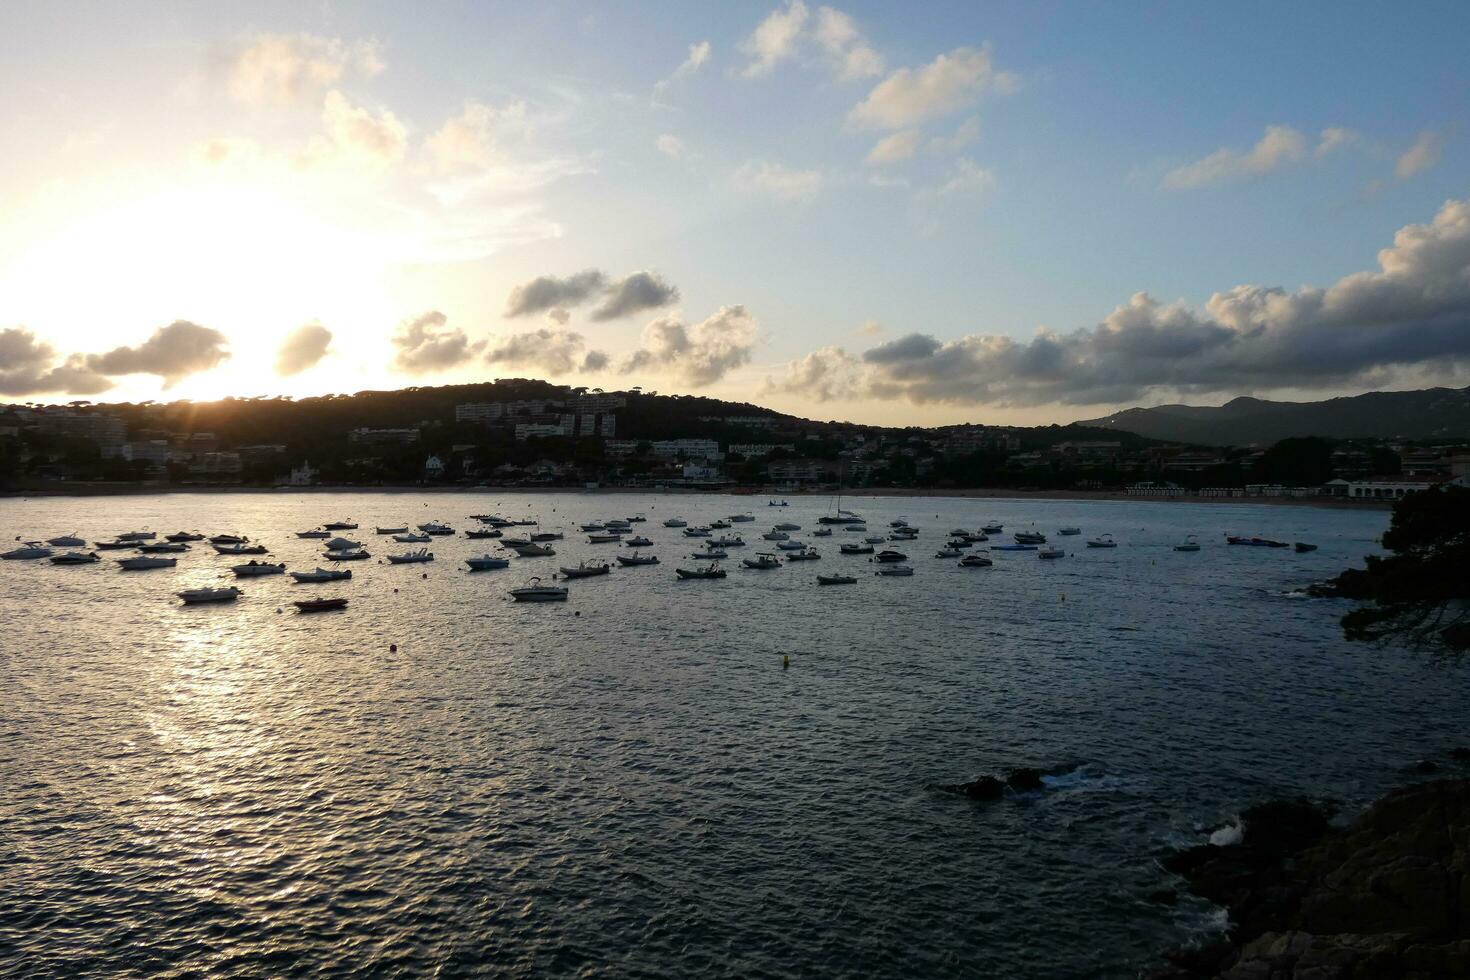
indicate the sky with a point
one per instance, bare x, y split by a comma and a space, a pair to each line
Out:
1000, 213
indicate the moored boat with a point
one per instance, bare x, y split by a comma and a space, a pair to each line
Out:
761, 561
253, 568
534, 591
898, 571
836, 580
66, 541
145, 562
1302, 547
1102, 541
323, 575
320, 605
1051, 551
713, 570
1255, 542
585, 569
976, 561
484, 563
27, 552
196, 596
412, 557
636, 559
75, 558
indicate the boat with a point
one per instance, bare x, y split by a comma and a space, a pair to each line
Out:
484, 563
856, 549
1102, 541
141, 536
636, 519
436, 529
67, 541
713, 570
322, 575
822, 532
530, 550
412, 538
947, 553
241, 548
351, 554
594, 526
805, 554
741, 518
1302, 547
727, 541
196, 596
777, 503
675, 522
163, 548
1256, 542
775, 535
636, 559
320, 605
884, 557
762, 561
710, 552
75, 558
526, 522
547, 536
856, 528
896, 570
217, 539
955, 544
994, 527
1067, 531
113, 545
586, 569
976, 561
1188, 544
604, 538
534, 591
482, 535
841, 517
411, 557
1013, 547
836, 580
788, 527
620, 526
514, 543
900, 522
28, 551
638, 542
875, 539
340, 526
791, 545
184, 536
1029, 537
391, 530
1051, 551
719, 525
697, 532
318, 533
975, 538
252, 568
145, 562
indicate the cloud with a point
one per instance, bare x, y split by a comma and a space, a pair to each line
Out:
780, 182
1413, 312
549, 350
965, 134
775, 40
173, 353
698, 55
302, 348
470, 139
1278, 147
840, 38
28, 367
670, 145
1422, 156
967, 177
870, 328
356, 137
426, 344
950, 82
282, 68
634, 294
894, 147
545, 292
826, 374
701, 354
1336, 138
558, 316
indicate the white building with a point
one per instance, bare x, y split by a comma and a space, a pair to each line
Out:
433, 467
483, 413
541, 430
755, 450
668, 448
1393, 488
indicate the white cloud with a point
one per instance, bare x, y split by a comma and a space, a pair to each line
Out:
670, 145
698, 56
775, 40
840, 38
825, 374
472, 138
281, 68
780, 182
951, 81
172, 353
634, 293
700, 354
967, 177
356, 137
302, 349
28, 367
549, 350
894, 147
965, 134
1336, 138
1278, 147
1422, 156
426, 343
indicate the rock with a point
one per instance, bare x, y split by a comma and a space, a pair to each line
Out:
1426, 767
1460, 754
1164, 896
983, 788
1024, 780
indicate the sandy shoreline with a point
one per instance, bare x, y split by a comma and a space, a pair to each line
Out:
111, 490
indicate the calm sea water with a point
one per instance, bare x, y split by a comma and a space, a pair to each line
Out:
630, 783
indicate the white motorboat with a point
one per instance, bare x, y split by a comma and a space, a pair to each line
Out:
727, 541
741, 518
875, 539
956, 544
240, 548
1102, 541
436, 529
761, 561
483, 563
514, 543
947, 553
975, 538
622, 527
712, 570
719, 525
544, 535
530, 550
899, 522
787, 526
791, 545
1029, 537
776, 535
412, 538
75, 558
636, 559
637, 519
856, 528
896, 570
594, 526
1051, 551
164, 548
412, 557
976, 561
994, 527
391, 530
586, 569
836, 580
856, 549
1188, 544
253, 568
534, 591
672, 522
638, 541
196, 596
805, 554
323, 575
350, 554
1068, 531
822, 532
609, 538
113, 545
485, 534
144, 562
30, 550
67, 541
697, 532
342, 544
316, 533
184, 536
713, 553
777, 503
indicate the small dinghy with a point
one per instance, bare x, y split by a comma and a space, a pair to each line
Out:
1302, 547
75, 558
836, 580
391, 530
900, 571
586, 569
184, 536
319, 605
412, 557
318, 533
323, 575
761, 561
484, 563
713, 571
1102, 541
604, 538
253, 568
195, 596
1051, 551
354, 554
1069, 530
636, 559
145, 562
805, 554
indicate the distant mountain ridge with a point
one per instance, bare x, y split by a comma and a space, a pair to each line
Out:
1427, 414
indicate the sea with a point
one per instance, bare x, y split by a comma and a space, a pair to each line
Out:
662, 778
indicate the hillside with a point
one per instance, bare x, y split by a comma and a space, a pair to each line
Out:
1432, 413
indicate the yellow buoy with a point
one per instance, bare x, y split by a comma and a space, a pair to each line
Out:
785, 661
